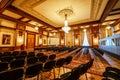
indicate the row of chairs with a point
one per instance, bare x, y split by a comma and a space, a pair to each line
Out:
35, 69
9, 58
16, 55
99, 50
58, 49
76, 72
6, 64
52, 64
111, 73
78, 50
72, 49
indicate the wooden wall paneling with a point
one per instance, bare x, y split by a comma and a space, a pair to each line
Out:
21, 26
62, 38
95, 36
76, 38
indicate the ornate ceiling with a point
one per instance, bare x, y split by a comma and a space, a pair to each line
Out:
48, 10
45, 13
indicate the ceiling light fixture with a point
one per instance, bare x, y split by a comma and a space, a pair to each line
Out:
108, 27
65, 13
36, 27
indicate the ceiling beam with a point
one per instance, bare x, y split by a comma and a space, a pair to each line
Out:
108, 8
86, 23
117, 9
14, 20
28, 21
24, 14
112, 14
20, 18
117, 22
111, 20
4, 4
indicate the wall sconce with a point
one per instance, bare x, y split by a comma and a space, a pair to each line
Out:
76, 41
54, 33
20, 33
20, 39
40, 41
62, 41
96, 41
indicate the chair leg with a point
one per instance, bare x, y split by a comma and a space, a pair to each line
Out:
42, 76
64, 69
54, 73
59, 73
38, 77
86, 76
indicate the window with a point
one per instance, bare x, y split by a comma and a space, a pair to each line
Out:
85, 42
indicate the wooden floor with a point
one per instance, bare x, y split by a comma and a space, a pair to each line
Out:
90, 76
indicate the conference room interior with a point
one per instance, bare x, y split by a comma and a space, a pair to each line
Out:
59, 39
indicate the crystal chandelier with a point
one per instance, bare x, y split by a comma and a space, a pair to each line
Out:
65, 13
66, 28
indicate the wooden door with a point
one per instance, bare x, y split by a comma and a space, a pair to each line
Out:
30, 41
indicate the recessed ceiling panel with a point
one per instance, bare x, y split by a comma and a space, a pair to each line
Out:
24, 19
35, 23
113, 17
11, 14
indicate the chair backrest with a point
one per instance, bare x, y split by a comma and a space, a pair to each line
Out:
90, 63
7, 53
20, 57
31, 54
111, 75
43, 58
17, 63
15, 53
3, 66
32, 60
39, 54
6, 59
33, 70
68, 59
1, 54
49, 65
52, 57
113, 69
14, 74
74, 74
23, 53
60, 62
